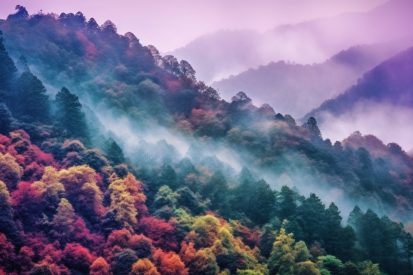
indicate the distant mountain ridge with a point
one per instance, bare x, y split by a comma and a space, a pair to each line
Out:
391, 82
221, 54
276, 83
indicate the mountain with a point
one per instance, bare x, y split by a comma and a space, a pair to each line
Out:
218, 55
295, 88
385, 94
116, 160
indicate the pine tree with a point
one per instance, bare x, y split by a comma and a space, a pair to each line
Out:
5, 119
7, 225
30, 100
70, 116
115, 153
7, 72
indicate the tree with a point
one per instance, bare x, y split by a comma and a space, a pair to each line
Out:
122, 205
70, 116
287, 203
301, 253
201, 262
282, 260
5, 119
63, 221
165, 197
169, 263
7, 72
82, 191
187, 70
311, 126
144, 267
31, 101
77, 257
171, 64
92, 27
262, 203
7, 225
115, 153
216, 190
333, 238
10, 171
331, 263
306, 268
100, 267
135, 189
123, 262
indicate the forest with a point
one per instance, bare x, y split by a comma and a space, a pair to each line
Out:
77, 198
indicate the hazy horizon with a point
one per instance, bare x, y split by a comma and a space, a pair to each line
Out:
188, 20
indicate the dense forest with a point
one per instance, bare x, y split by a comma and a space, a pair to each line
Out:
77, 198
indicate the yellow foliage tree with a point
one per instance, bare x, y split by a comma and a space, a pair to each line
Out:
144, 267
10, 171
122, 204
282, 259
100, 267
135, 188
49, 185
82, 191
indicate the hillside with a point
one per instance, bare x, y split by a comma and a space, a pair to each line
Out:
277, 85
117, 160
218, 55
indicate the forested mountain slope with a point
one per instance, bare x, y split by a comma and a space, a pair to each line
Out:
77, 198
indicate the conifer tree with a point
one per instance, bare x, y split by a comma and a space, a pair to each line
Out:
115, 153
63, 221
30, 99
5, 119
70, 116
7, 225
7, 71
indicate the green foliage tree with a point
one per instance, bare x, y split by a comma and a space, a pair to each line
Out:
70, 116
8, 72
31, 102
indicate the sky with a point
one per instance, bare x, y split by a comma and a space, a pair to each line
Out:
171, 24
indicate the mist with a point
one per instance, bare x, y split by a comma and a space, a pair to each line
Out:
308, 42
386, 121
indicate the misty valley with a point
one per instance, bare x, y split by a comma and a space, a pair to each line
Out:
118, 159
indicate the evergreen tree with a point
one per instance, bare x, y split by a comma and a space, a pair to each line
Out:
30, 100
216, 190
63, 221
114, 152
262, 202
287, 203
332, 237
7, 72
5, 120
70, 116
7, 225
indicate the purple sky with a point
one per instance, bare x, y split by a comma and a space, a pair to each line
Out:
170, 24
